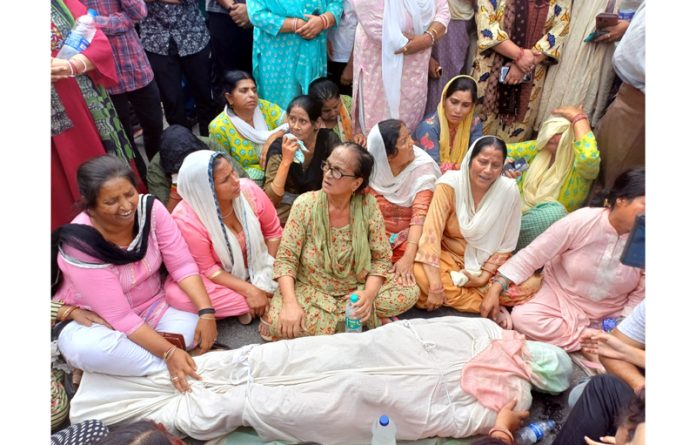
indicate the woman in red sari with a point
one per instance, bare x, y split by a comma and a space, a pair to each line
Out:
84, 123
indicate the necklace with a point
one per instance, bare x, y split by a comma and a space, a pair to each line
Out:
228, 214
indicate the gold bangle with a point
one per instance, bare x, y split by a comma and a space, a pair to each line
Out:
498, 429
169, 353
67, 312
218, 272
207, 317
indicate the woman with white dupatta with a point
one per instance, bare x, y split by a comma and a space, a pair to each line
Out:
247, 125
393, 41
402, 181
233, 233
470, 230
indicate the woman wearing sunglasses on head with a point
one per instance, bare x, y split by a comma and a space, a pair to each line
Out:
334, 244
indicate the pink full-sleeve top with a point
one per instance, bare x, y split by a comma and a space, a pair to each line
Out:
127, 296
581, 258
198, 239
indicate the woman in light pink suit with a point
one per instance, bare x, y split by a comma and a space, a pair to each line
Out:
393, 41
584, 279
233, 232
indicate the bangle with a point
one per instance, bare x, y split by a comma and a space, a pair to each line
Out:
207, 317
412, 242
432, 36
492, 272
499, 429
519, 56
578, 117
504, 282
218, 272
67, 312
84, 65
72, 69
294, 26
325, 21
169, 353
206, 310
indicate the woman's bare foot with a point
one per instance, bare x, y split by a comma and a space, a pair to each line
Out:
245, 318
265, 330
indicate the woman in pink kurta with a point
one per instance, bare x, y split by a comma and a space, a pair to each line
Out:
233, 289
584, 280
371, 103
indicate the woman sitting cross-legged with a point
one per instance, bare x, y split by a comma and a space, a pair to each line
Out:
334, 244
446, 134
470, 230
563, 162
293, 163
584, 280
233, 232
402, 181
247, 124
108, 261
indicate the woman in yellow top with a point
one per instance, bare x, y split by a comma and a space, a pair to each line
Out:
563, 162
247, 125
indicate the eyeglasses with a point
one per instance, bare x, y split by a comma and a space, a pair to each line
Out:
335, 172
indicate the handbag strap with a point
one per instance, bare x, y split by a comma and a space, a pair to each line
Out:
610, 6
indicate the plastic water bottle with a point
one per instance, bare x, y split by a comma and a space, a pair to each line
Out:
628, 9
80, 36
353, 322
534, 432
383, 431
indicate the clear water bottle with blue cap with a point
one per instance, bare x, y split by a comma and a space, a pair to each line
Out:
628, 9
353, 322
80, 36
534, 432
383, 431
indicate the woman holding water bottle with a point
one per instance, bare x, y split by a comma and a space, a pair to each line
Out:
334, 244
84, 123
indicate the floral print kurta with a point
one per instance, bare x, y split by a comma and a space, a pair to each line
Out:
489, 22
320, 293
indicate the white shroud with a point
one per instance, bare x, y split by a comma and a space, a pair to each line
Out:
326, 389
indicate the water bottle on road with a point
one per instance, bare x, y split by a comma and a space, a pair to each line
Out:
383, 431
534, 432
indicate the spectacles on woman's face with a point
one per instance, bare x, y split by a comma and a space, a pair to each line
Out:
335, 172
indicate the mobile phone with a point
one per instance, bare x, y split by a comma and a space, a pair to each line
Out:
517, 165
605, 20
506, 69
634, 251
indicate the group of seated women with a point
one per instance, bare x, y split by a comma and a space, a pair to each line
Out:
319, 219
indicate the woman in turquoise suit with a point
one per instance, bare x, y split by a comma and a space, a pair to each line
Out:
290, 44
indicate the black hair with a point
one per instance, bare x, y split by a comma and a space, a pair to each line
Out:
633, 414
230, 79
463, 84
364, 160
143, 432
487, 141
310, 105
628, 185
92, 175
389, 129
176, 143
323, 89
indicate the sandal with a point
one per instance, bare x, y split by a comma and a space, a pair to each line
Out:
264, 330
245, 319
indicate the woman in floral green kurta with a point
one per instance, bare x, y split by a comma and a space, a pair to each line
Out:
319, 291
543, 37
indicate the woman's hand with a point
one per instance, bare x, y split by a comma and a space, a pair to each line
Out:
603, 440
347, 75
568, 112
86, 318
60, 69
180, 366
403, 270
614, 33
514, 76
510, 419
476, 281
289, 147
360, 139
258, 301
363, 308
436, 298
206, 333
607, 345
291, 320
490, 306
434, 69
415, 44
311, 28
238, 14
527, 61
510, 173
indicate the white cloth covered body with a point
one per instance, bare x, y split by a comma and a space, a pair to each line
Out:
327, 389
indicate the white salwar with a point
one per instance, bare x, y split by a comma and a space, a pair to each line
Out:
326, 389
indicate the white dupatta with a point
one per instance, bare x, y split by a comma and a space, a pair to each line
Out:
422, 13
259, 133
401, 189
495, 225
197, 189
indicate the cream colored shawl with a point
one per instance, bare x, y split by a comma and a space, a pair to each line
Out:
542, 183
196, 187
494, 226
